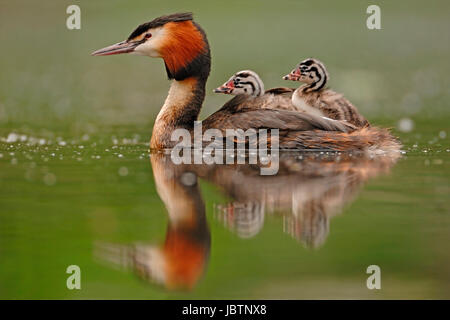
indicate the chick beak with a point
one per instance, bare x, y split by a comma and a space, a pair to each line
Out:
226, 88
118, 48
293, 76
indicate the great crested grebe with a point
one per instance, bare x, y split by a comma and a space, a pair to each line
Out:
183, 46
313, 97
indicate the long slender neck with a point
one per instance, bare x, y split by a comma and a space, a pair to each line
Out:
187, 59
304, 89
313, 87
180, 110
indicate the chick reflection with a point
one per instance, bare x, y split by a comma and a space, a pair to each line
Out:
307, 192
181, 260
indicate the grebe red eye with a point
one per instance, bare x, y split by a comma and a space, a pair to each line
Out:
148, 35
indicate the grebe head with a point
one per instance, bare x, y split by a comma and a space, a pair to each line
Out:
310, 71
176, 38
243, 82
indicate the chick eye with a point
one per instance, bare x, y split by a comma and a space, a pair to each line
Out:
148, 35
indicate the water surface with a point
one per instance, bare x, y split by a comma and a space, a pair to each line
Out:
140, 227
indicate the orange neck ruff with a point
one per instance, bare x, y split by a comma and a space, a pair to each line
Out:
184, 43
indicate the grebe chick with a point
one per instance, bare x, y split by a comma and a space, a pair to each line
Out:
314, 98
184, 48
245, 82
247, 85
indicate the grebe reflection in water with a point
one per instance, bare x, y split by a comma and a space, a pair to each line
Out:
307, 192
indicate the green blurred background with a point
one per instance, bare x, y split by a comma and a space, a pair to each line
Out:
56, 201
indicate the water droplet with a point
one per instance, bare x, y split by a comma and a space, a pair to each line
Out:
188, 179
405, 125
123, 171
12, 137
49, 179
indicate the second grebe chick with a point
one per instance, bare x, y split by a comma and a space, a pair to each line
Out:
245, 82
314, 98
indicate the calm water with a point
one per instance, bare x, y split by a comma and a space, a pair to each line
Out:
140, 227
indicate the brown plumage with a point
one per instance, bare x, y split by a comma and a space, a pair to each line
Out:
267, 112
333, 105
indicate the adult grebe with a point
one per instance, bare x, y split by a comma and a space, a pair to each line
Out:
183, 45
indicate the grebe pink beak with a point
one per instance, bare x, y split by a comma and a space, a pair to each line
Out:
118, 48
226, 88
294, 75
